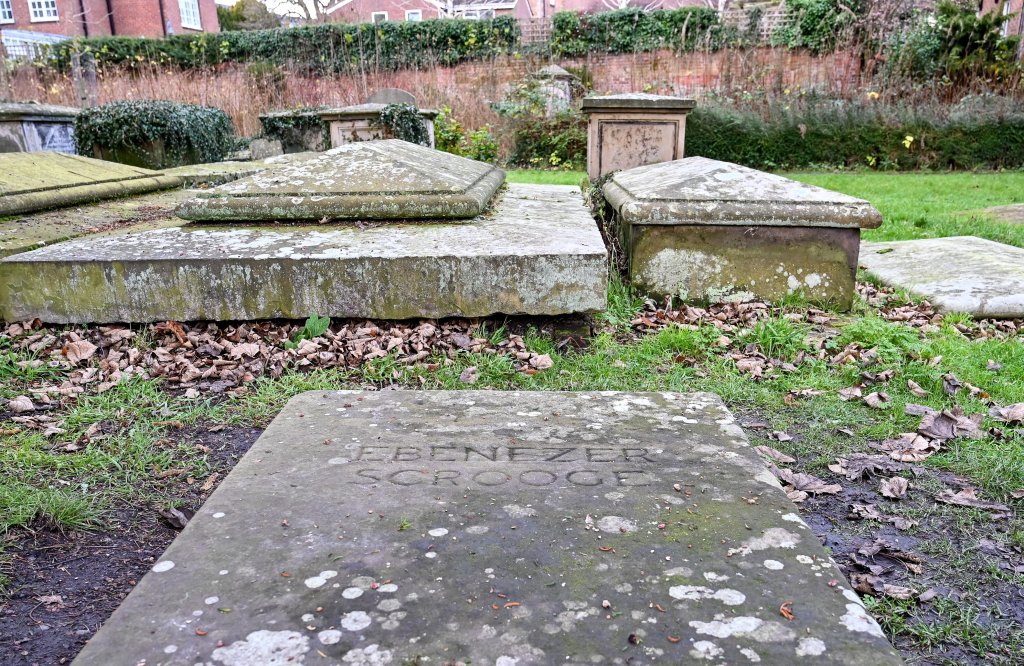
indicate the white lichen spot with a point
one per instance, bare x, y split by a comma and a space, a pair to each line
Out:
389, 605
268, 648
223, 572
477, 529
616, 525
773, 537
774, 565
209, 601
431, 555
170, 649
736, 626
715, 577
614, 496
852, 596
219, 514
516, 511
363, 582
792, 518
685, 572
727, 596
857, 619
371, 655
706, 650
387, 588
355, 621
308, 618
751, 655
804, 559
320, 579
438, 532
160, 567
352, 593
329, 636
810, 647
506, 661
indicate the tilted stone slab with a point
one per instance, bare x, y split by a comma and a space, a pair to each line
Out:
538, 252
479, 527
39, 181
698, 190
27, 232
218, 173
701, 229
957, 274
370, 180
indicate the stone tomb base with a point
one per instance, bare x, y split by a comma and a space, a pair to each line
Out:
478, 527
538, 252
723, 262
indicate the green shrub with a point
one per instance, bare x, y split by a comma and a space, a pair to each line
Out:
559, 142
321, 48
818, 25
298, 129
451, 137
633, 30
404, 122
154, 134
481, 145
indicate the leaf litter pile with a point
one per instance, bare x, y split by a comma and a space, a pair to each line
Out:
859, 511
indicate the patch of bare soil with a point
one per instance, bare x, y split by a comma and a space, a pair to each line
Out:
65, 585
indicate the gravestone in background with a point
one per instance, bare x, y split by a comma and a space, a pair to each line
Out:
30, 127
494, 528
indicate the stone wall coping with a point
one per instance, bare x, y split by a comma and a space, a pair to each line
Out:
697, 190
368, 110
32, 111
639, 102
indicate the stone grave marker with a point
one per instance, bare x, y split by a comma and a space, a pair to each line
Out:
38, 181
31, 127
703, 229
507, 529
391, 96
957, 274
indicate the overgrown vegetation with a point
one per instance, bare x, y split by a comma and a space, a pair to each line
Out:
634, 29
154, 134
451, 137
403, 121
297, 129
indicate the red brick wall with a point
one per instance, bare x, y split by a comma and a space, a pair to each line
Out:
132, 18
1016, 24
361, 11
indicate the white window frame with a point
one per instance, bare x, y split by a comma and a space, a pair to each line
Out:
1005, 29
43, 11
186, 16
409, 13
6, 11
374, 15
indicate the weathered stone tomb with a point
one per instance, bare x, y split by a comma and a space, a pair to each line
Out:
384, 230
507, 529
31, 127
702, 229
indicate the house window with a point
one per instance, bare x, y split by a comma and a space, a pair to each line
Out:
1006, 21
42, 10
413, 15
6, 12
379, 17
190, 14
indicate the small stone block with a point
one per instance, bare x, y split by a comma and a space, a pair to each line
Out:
538, 252
498, 528
957, 274
370, 180
38, 181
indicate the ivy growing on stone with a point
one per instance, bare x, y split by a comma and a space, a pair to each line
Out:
404, 122
154, 134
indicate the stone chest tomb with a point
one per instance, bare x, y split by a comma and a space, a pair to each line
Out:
380, 229
702, 229
29, 127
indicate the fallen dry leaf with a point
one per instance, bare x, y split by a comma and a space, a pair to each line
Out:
850, 393
877, 400
778, 456
949, 424
860, 465
895, 487
542, 362
968, 497
80, 350
470, 375
916, 389
807, 483
910, 447
21, 404
1013, 414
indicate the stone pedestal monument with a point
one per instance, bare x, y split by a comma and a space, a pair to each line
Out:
633, 129
28, 127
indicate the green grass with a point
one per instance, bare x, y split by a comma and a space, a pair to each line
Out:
539, 177
932, 205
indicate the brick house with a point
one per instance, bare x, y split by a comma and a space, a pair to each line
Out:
95, 18
1015, 26
363, 11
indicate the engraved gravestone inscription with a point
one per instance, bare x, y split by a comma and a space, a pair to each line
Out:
507, 529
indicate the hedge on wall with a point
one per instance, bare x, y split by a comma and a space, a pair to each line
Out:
154, 134
634, 30
322, 48
839, 138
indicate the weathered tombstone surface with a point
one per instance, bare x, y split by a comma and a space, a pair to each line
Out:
556, 85
391, 96
537, 252
30, 127
298, 130
260, 149
702, 229
481, 527
634, 129
376, 180
957, 274
217, 173
38, 181
351, 124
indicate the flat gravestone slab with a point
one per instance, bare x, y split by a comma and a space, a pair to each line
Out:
368, 180
957, 274
506, 529
39, 181
217, 173
698, 190
538, 252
